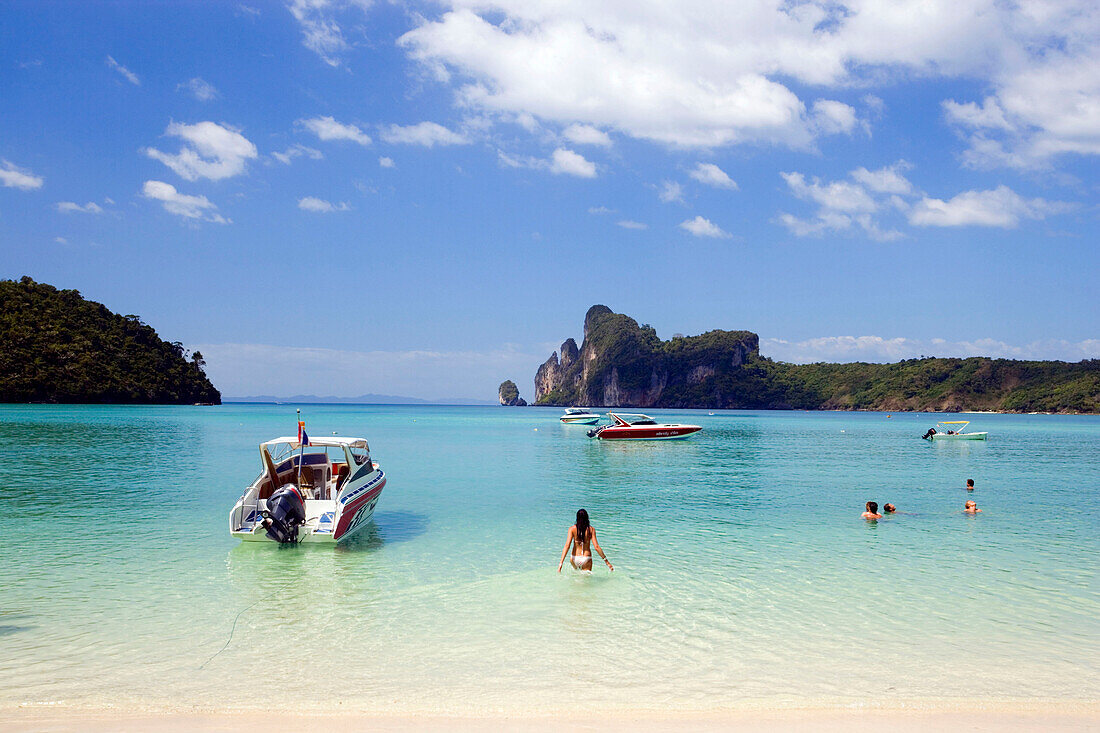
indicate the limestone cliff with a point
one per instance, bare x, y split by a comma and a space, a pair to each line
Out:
508, 393
621, 363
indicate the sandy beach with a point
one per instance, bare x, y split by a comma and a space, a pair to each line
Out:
1025, 717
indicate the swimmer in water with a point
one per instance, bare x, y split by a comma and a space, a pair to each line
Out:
583, 538
872, 511
971, 507
970, 484
889, 509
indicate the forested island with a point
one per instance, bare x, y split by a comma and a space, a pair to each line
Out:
55, 346
623, 364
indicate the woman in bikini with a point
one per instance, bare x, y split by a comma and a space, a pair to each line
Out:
583, 538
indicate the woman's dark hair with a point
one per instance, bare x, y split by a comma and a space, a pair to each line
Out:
582, 525
872, 506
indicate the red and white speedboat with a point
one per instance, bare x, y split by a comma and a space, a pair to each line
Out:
634, 426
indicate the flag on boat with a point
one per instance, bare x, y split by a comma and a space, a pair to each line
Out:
303, 439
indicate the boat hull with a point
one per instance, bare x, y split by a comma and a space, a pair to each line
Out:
648, 432
588, 420
327, 522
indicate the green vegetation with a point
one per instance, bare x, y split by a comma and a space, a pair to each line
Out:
509, 394
724, 369
59, 347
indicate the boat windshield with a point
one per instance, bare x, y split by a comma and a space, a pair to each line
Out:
634, 419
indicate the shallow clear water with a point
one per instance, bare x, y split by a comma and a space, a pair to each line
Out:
744, 575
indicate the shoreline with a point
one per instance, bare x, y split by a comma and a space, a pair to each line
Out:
976, 715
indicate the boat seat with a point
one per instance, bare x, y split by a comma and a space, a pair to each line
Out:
341, 476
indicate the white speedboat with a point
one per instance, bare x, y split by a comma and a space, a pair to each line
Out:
635, 426
323, 491
952, 430
579, 416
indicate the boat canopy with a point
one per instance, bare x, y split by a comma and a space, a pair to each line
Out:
328, 441
632, 418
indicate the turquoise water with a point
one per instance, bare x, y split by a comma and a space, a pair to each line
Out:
744, 575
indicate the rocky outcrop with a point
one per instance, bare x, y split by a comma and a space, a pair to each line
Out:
508, 393
620, 363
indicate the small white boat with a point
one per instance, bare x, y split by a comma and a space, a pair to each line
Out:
324, 491
579, 416
952, 430
635, 426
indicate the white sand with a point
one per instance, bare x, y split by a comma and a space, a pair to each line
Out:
1047, 717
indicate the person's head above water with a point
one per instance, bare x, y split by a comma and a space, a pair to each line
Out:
582, 524
970, 483
889, 508
872, 506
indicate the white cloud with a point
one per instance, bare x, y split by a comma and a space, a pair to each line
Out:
878, 349
60, 240
701, 227
327, 129
711, 72
600, 210
126, 73
297, 151
320, 206
1046, 99
987, 115
813, 227
573, 164
670, 192
586, 135
885, 180
174, 202
320, 31
428, 134
628, 224
211, 151
201, 90
836, 196
843, 205
13, 176
832, 117
1000, 207
386, 162
712, 175
70, 207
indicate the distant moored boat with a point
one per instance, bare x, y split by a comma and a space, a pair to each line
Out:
952, 430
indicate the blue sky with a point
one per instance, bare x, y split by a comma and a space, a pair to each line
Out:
423, 199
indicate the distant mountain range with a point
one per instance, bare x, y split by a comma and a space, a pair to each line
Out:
363, 399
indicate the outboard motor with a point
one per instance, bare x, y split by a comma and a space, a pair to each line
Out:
284, 514
929, 434
595, 431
